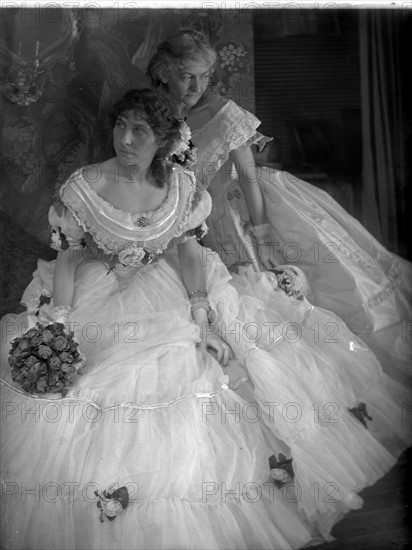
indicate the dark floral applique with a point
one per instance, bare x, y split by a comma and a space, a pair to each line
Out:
59, 240
281, 469
361, 413
112, 504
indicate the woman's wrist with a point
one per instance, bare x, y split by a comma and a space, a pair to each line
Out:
197, 294
261, 232
61, 314
200, 307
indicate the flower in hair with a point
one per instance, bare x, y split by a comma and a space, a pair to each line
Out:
182, 144
183, 151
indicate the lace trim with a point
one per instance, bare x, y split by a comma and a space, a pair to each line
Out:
395, 279
347, 246
229, 129
87, 216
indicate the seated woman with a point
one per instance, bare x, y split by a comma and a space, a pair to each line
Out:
267, 217
139, 416
154, 312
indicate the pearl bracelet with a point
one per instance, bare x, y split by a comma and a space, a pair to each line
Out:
204, 306
200, 293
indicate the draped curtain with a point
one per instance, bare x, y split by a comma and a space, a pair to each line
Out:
384, 181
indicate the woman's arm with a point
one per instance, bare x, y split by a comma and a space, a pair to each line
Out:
246, 169
194, 282
63, 283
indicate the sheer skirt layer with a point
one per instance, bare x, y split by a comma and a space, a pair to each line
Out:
193, 454
349, 272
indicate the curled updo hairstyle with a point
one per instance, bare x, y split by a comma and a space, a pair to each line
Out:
183, 46
156, 109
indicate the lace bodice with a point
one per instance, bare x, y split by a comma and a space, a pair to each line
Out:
231, 127
114, 231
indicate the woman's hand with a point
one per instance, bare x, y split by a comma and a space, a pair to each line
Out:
213, 344
265, 247
266, 255
194, 281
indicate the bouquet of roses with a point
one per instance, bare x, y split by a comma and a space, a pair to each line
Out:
45, 359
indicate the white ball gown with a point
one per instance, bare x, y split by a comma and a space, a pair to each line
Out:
155, 414
349, 272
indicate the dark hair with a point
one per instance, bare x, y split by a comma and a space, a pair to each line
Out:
186, 45
156, 108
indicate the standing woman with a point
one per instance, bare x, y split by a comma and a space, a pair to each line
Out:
258, 215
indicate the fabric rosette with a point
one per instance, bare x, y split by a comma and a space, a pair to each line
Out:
112, 504
183, 151
182, 144
45, 359
292, 280
132, 255
281, 470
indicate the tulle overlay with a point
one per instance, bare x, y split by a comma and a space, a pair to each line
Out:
196, 464
197, 477
308, 370
349, 272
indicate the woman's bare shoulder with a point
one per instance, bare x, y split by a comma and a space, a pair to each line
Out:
215, 103
208, 107
97, 174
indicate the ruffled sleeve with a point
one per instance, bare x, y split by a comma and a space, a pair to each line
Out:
230, 128
202, 206
65, 230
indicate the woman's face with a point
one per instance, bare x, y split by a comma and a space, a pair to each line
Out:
133, 139
188, 82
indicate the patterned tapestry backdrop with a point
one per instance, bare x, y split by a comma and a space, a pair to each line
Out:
61, 69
